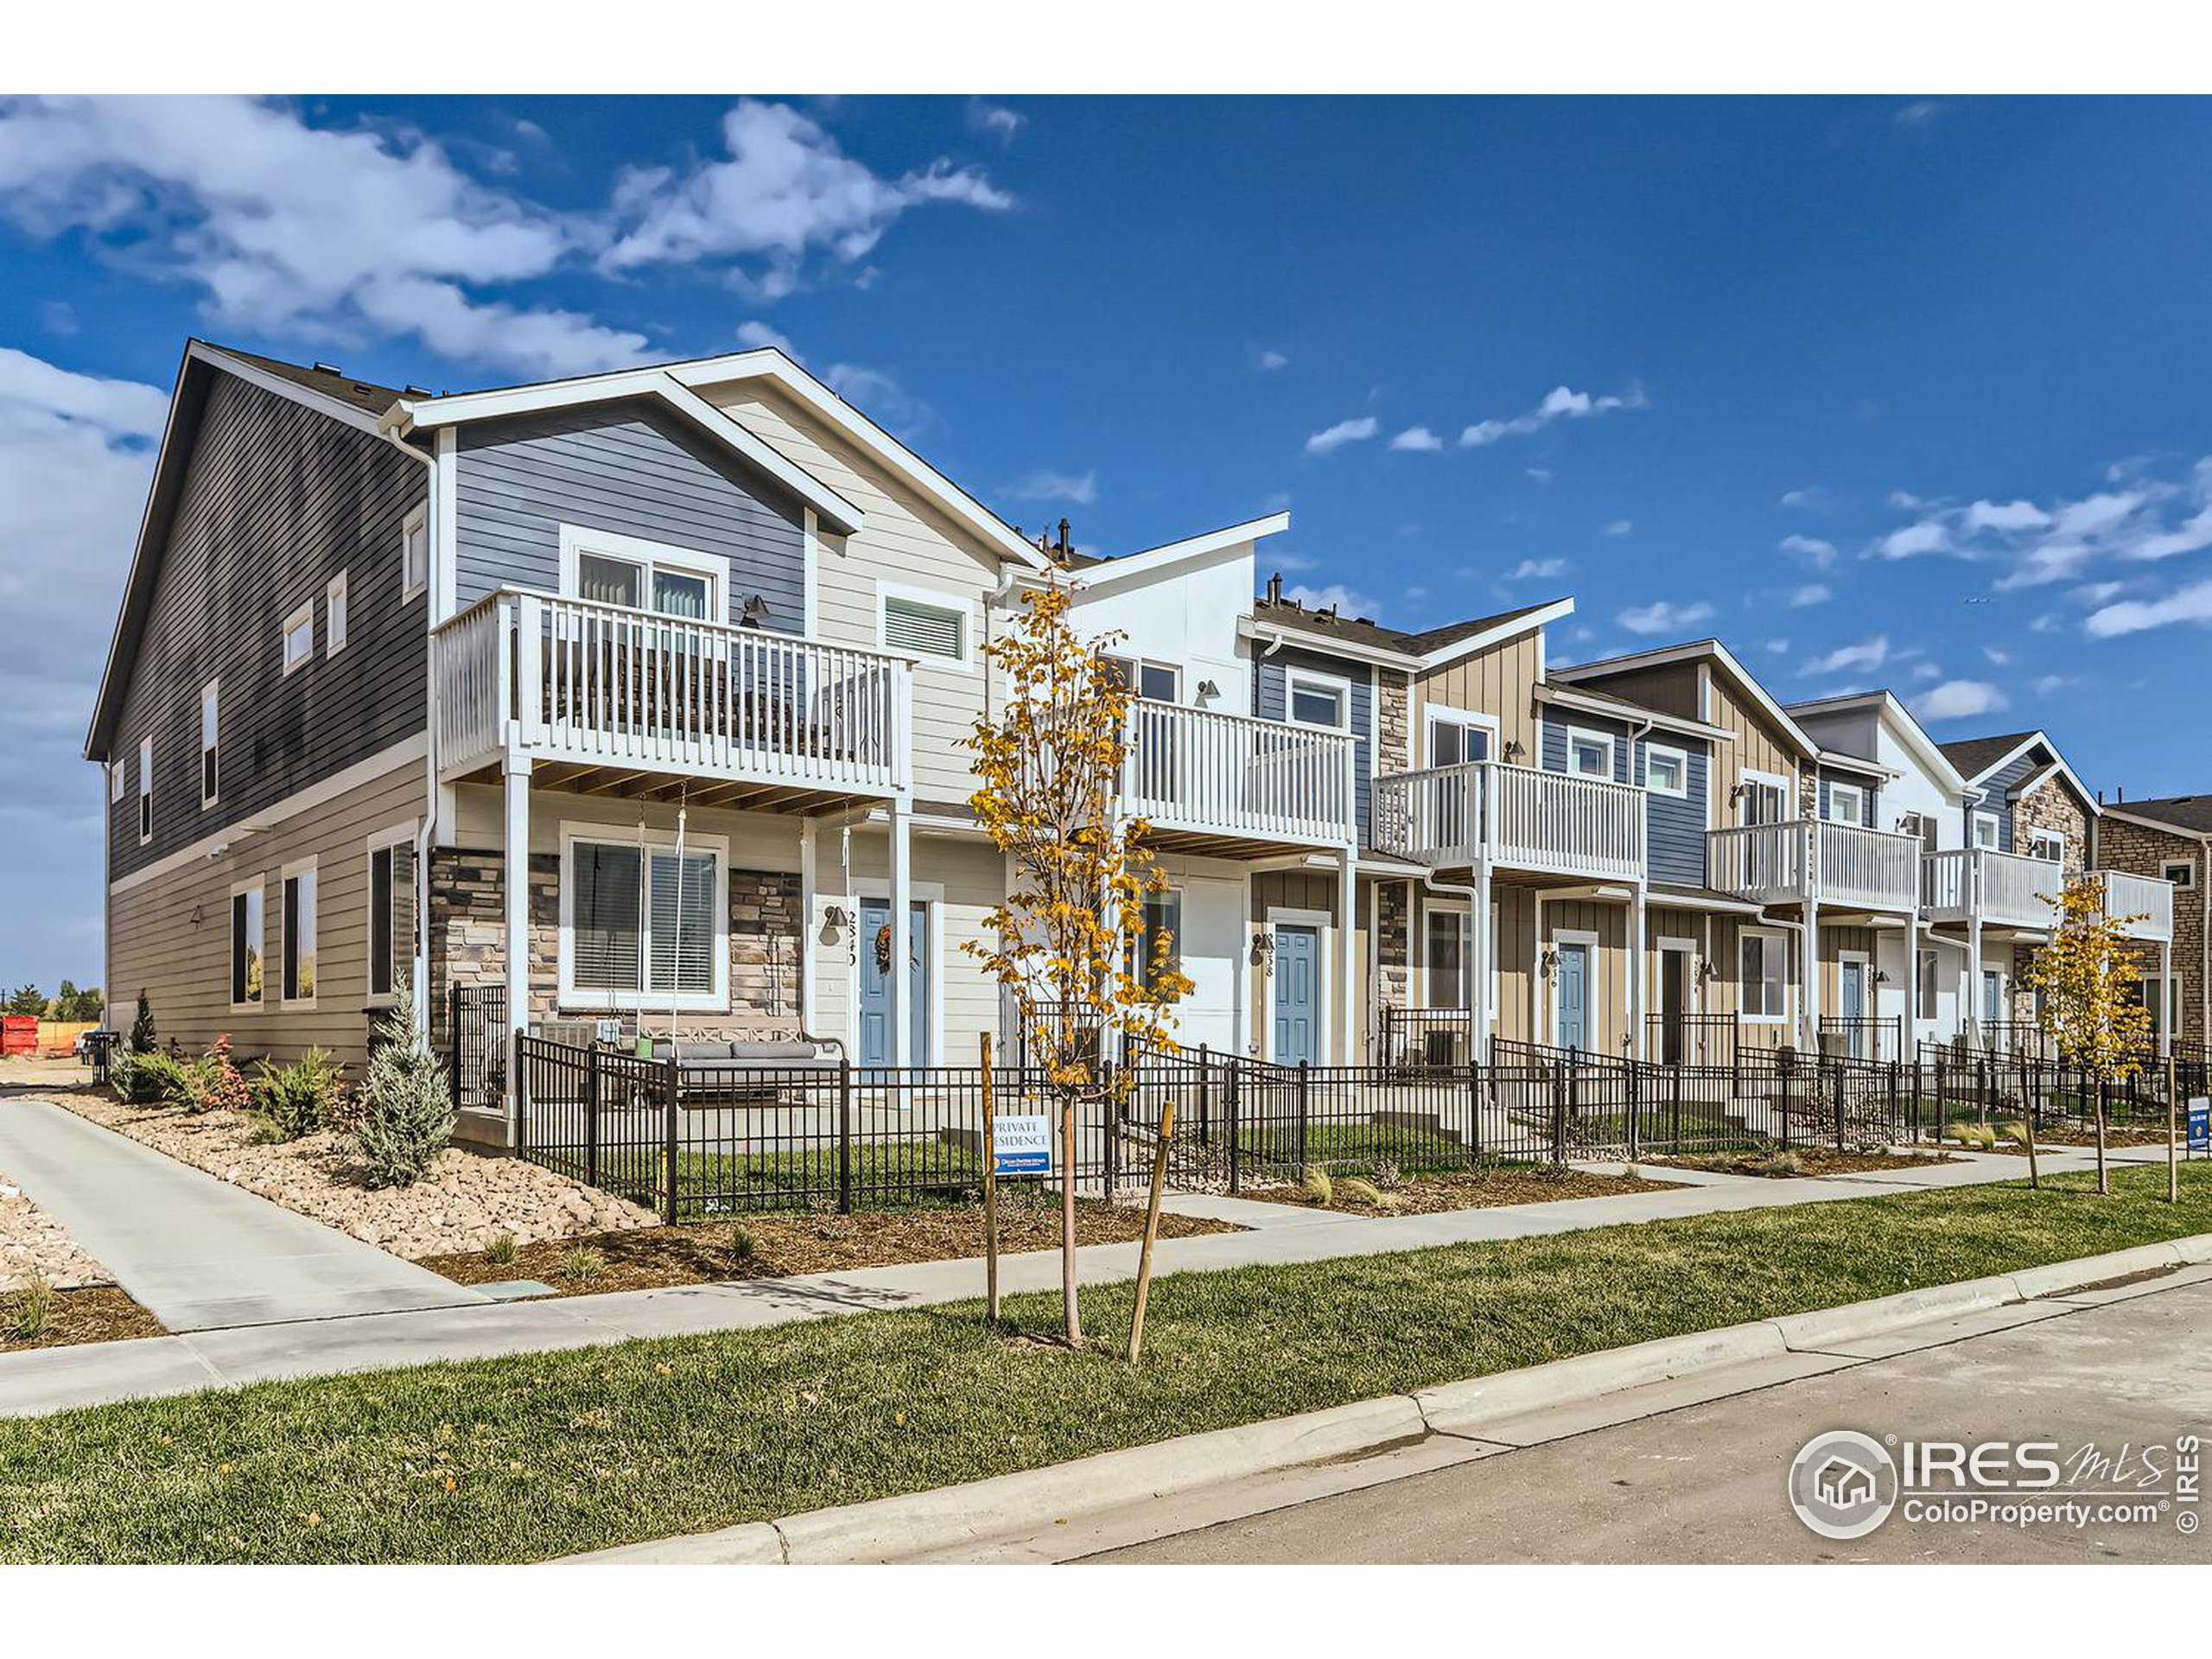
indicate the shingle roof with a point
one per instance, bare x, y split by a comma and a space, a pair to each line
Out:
1974, 755
2192, 812
1364, 630
345, 388
1452, 632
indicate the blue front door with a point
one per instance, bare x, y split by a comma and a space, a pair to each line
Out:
1298, 994
1574, 996
875, 1001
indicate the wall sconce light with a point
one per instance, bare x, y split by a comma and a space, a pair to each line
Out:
1736, 791
1263, 950
1514, 752
1207, 689
835, 920
1706, 970
1548, 965
753, 612
1881, 976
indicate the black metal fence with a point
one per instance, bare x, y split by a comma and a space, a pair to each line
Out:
476, 1046
1692, 1039
1863, 1037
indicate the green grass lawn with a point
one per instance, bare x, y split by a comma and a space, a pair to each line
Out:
539, 1455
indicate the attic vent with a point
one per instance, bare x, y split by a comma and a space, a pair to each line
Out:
923, 630
328, 368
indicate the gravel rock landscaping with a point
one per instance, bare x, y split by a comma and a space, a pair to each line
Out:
465, 1202
32, 1242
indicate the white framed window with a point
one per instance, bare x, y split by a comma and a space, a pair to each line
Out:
641, 928
2049, 845
938, 628
115, 785
415, 553
1763, 974
1925, 1008
1444, 956
1322, 700
333, 615
1155, 682
1986, 830
210, 721
246, 897
1163, 921
2182, 872
145, 790
1667, 771
1457, 736
2163, 1009
299, 638
641, 576
391, 910
1848, 805
1762, 797
299, 933
1589, 754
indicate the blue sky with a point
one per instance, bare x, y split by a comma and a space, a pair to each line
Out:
1882, 391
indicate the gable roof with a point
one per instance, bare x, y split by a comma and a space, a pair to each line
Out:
1705, 651
1934, 757
336, 396
1589, 699
2192, 814
1092, 569
1977, 757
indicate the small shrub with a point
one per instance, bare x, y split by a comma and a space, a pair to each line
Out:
1980, 1136
1366, 1192
150, 1078
405, 1111
743, 1246
298, 1099
583, 1264
213, 1082
1779, 1163
500, 1252
31, 1310
1315, 1186
1387, 1176
142, 1034
2013, 1134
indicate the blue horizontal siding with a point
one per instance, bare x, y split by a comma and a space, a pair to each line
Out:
1270, 701
1675, 828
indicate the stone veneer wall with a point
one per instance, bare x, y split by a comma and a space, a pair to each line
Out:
2049, 805
2141, 851
1392, 914
1392, 723
468, 919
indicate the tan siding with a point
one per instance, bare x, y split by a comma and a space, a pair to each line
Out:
1670, 688
1500, 681
170, 937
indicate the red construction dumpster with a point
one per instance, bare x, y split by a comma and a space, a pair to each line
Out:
18, 1034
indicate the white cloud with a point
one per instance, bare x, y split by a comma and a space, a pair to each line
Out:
1344, 432
879, 396
1562, 403
995, 119
1809, 551
1541, 475
1918, 114
1867, 655
754, 335
2190, 604
286, 229
1812, 592
1912, 541
1347, 602
1779, 647
1266, 357
1418, 438
785, 194
1536, 570
1925, 671
2047, 685
2005, 515
1620, 527
1663, 616
1961, 700
1813, 498
1999, 656
1081, 488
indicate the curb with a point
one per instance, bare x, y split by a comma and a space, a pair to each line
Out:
893, 1528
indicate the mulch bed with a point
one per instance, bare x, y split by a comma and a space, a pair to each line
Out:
95, 1313
1476, 1189
1811, 1160
699, 1252
2086, 1139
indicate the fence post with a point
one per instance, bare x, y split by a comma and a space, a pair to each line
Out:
521, 1075
1206, 1097
1232, 1101
670, 1086
1304, 1110
1474, 1105
1839, 1096
591, 1116
453, 1045
844, 1137
1788, 1067
1893, 1120
1675, 1123
1634, 1096
1559, 1115
1109, 1114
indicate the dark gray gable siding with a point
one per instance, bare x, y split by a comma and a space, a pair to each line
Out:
631, 470
277, 498
1675, 830
1270, 686
1998, 786
1874, 796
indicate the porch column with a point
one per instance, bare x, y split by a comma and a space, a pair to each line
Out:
1909, 1029
1347, 957
1537, 1034
1971, 1019
516, 852
1485, 953
806, 889
1808, 974
902, 944
1637, 928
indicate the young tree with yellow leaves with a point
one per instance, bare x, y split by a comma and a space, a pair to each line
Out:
1051, 763
2086, 976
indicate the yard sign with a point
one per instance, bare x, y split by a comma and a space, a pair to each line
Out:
2200, 1124
1021, 1144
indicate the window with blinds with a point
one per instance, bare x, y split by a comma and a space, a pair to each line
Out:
391, 915
642, 921
922, 629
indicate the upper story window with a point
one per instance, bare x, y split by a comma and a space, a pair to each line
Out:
145, 790
1456, 738
210, 733
2180, 872
1317, 700
1155, 681
1762, 797
2050, 845
642, 575
1985, 831
333, 615
415, 553
299, 638
921, 623
1848, 805
1921, 826
1589, 754
114, 782
1667, 771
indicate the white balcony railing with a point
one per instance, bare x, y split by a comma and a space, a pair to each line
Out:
2144, 897
567, 679
1515, 817
1833, 863
2009, 890
1203, 771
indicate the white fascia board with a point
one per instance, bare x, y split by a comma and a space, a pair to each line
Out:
1712, 651
1330, 645
1543, 616
1567, 696
1191, 548
1840, 761
1908, 731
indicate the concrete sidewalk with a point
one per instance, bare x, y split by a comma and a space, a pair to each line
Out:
200, 1254
55, 1379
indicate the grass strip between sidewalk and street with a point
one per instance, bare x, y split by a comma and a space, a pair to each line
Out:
537, 1455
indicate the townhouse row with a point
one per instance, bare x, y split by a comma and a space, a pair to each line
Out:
635, 702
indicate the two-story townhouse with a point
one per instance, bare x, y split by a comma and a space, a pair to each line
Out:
2031, 825
1801, 883
2166, 841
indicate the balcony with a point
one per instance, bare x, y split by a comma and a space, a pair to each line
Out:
1513, 818
1838, 864
2146, 899
624, 694
2007, 889
1217, 781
